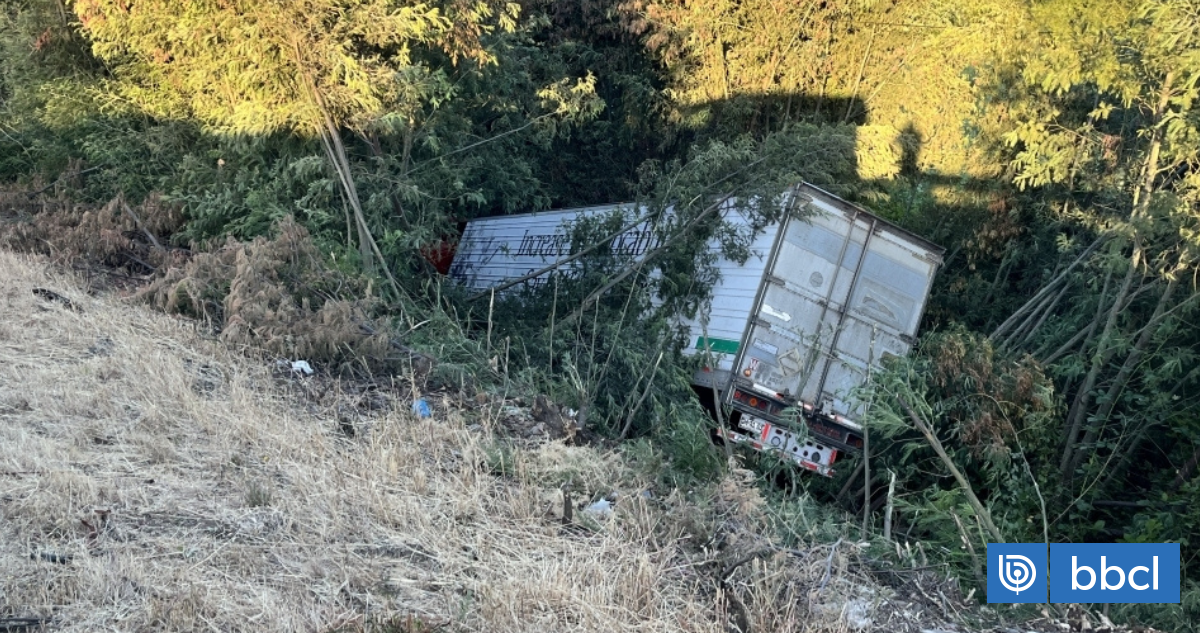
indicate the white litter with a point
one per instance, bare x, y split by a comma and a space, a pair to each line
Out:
302, 367
602, 509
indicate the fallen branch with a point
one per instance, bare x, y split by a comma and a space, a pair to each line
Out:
829, 566
980, 578
34, 194
50, 295
727, 570
138, 222
976, 505
398, 346
891, 504
1037, 299
22, 624
637, 406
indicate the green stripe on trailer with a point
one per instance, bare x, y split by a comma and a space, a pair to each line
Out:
718, 345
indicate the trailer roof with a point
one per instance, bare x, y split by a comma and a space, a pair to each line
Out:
846, 205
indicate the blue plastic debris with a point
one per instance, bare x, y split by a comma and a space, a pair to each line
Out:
421, 408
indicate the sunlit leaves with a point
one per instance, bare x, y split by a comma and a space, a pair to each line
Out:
262, 66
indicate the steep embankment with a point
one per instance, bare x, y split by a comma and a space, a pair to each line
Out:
152, 480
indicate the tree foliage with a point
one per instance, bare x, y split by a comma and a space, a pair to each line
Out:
261, 67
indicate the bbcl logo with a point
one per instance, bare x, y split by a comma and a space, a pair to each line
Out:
1084, 572
1016, 572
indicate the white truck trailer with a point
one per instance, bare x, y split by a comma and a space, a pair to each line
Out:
826, 293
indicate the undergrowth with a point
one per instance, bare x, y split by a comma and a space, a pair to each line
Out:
276, 294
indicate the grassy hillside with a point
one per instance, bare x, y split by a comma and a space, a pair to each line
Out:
152, 480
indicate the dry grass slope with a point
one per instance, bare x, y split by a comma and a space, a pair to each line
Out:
151, 479
185, 492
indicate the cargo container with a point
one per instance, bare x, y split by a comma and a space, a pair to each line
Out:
828, 292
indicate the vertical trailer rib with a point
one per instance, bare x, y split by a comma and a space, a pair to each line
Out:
845, 307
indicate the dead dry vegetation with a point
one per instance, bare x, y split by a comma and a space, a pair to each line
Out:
155, 478
150, 479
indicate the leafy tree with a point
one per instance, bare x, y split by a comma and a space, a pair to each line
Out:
314, 67
1109, 134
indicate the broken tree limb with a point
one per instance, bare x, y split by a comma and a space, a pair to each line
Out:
829, 565
50, 295
638, 405
1037, 298
891, 505
637, 266
1085, 334
335, 151
976, 568
1104, 352
400, 347
980, 511
541, 271
141, 225
34, 194
1132, 361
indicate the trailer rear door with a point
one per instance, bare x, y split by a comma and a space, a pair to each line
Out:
844, 289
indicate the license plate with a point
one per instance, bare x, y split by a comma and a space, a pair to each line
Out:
752, 424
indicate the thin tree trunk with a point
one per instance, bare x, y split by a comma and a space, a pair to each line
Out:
726, 442
976, 568
637, 406
342, 165
1034, 318
1066, 347
1002, 270
331, 140
862, 67
364, 247
1083, 397
1141, 206
849, 483
1128, 452
1126, 372
891, 499
980, 511
1087, 332
866, 461
1011, 334
1028, 338
1046, 289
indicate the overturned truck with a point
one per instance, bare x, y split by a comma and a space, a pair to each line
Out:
828, 292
